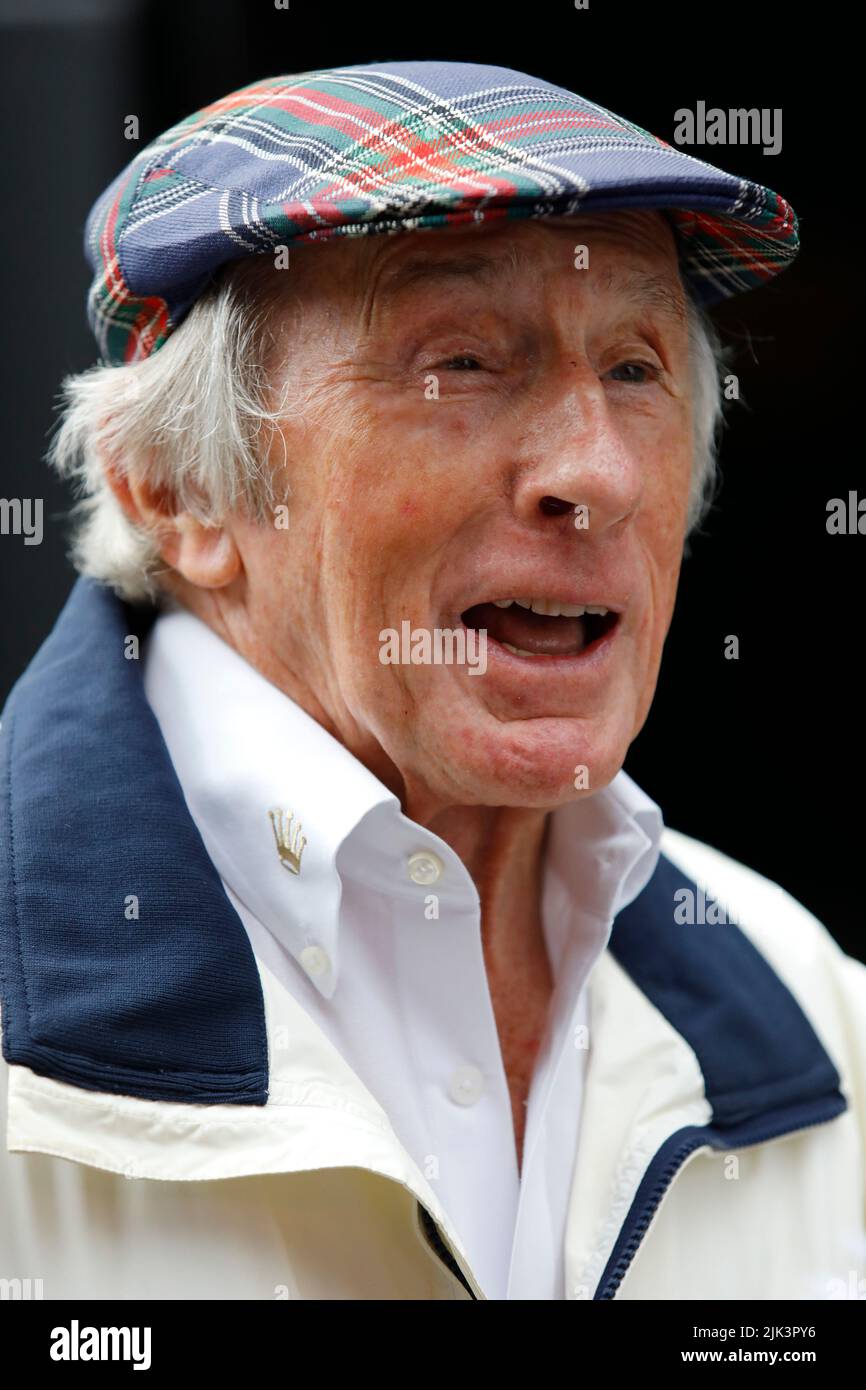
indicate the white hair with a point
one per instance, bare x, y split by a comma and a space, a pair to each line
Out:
196, 418
709, 363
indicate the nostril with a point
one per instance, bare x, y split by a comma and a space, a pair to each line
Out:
554, 506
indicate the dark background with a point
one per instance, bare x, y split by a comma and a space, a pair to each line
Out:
762, 757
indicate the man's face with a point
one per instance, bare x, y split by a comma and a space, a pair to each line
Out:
447, 386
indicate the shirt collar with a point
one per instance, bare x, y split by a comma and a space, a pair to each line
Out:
241, 747
601, 853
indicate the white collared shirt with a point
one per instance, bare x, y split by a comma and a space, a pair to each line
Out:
390, 968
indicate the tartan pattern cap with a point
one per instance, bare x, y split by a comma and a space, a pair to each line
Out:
390, 147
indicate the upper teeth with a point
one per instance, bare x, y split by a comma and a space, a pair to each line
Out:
549, 608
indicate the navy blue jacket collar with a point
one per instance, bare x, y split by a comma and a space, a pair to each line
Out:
167, 1004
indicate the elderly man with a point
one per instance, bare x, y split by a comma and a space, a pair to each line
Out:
340, 959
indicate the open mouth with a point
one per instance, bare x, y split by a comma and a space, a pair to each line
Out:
542, 627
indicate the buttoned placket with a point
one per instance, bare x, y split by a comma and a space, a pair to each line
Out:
457, 1062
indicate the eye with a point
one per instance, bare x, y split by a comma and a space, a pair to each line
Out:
462, 363
635, 373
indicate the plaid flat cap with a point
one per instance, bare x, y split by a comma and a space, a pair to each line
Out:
391, 147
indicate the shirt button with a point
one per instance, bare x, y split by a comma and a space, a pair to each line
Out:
466, 1085
425, 867
315, 960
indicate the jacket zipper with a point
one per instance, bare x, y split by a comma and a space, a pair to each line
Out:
638, 1223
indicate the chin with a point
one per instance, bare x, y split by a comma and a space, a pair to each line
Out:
536, 762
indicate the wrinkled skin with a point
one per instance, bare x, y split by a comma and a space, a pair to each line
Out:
553, 382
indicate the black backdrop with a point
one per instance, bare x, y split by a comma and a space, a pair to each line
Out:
763, 756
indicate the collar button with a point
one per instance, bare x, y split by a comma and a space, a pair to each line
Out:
315, 960
425, 867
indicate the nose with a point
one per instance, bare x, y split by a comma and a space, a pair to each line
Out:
571, 454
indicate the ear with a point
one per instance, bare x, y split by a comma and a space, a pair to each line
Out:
206, 556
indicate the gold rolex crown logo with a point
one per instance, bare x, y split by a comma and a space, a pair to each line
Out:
290, 841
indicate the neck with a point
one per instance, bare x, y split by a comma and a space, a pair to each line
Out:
502, 848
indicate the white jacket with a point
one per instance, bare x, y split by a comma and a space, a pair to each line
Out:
155, 1150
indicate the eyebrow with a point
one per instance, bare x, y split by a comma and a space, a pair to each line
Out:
648, 291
